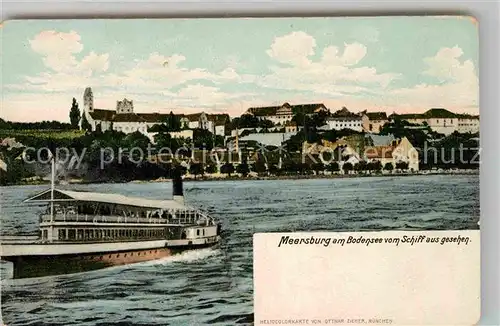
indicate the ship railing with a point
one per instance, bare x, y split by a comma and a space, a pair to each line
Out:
183, 220
6, 239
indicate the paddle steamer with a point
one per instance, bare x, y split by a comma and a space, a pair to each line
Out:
82, 231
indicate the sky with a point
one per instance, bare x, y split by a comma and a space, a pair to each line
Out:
392, 64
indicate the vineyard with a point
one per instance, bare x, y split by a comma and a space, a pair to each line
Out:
47, 133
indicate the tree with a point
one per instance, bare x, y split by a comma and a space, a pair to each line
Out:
196, 169
85, 123
243, 169
376, 166
333, 167
227, 168
388, 166
137, 139
294, 143
74, 114
318, 167
347, 167
98, 128
416, 134
174, 122
210, 168
273, 169
289, 166
360, 166
259, 167
304, 168
204, 139
250, 121
402, 165
167, 144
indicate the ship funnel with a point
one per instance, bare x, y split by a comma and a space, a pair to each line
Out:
177, 185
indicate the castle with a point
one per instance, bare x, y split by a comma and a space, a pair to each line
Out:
124, 119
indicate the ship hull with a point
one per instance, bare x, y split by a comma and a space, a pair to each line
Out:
47, 265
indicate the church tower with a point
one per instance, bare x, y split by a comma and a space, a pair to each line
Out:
88, 100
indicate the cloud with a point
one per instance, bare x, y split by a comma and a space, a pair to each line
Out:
353, 53
299, 71
458, 82
59, 49
446, 66
154, 74
294, 48
338, 71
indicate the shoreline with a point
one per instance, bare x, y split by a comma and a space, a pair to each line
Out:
313, 176
236, 177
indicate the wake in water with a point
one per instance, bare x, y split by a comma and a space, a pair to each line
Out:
184, 257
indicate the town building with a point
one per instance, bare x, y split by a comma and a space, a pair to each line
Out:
339, 151
344, 119
124, 119
442, 121
280, 115
291, 127
268, 139
215, 123
400, 150
373, 121
378, 140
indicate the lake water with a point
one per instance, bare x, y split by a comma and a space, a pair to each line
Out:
215, 285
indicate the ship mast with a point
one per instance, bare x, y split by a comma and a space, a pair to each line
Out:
52, 182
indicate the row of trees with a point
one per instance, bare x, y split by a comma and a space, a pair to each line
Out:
43, 125
170, 123
249, 121
288, 168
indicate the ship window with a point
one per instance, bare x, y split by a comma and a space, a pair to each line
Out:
198, 232
203, 231
61, 234
71, 234
44, 234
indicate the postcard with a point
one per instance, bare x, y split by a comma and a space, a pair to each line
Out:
240, 171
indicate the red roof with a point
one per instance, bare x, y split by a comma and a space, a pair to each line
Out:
379, 152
